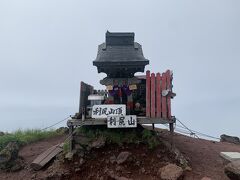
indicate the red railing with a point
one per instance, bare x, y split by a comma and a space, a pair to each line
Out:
158, 95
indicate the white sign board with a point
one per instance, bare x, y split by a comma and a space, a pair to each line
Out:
104, 110
122, 121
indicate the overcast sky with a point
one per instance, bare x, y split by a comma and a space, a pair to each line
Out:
47, 48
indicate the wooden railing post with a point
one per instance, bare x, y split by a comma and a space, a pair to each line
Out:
164, 98
158, 94
169, 87
153, 96
148, 93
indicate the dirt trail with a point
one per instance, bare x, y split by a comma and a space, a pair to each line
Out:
203, 155
29, 153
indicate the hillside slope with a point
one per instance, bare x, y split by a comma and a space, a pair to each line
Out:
203, 156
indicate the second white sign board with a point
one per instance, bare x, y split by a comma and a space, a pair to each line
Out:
122, 121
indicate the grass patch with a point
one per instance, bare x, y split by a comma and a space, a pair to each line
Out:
150, 137
115, 136
121, 136
66, 147
23, 137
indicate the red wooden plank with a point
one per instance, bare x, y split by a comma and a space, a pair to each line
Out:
148, 93
164, 98
169, 87
153, 96
158, 94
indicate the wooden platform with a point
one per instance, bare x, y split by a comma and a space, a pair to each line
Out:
140, 120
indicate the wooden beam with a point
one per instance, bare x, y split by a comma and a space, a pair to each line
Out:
148, 93
45, 157
164, 98
153, 96
169, 86
158, 94
140, 120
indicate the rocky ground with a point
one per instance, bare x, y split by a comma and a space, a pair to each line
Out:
130, 161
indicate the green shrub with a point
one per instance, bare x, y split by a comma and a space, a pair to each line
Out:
150, 138
66, 146
120, 136
23, 137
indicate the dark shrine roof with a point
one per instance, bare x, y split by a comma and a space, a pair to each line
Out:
120, 53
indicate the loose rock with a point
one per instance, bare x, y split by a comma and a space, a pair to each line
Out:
123, 157
230, 139
81, 161
232, 170
77, 169
100, 142
142, 170
113, 159
8, 156
62, 130
206, 178
188, 168
69, 156
18, 165
116, 177
34, 176
170, 172
118, 168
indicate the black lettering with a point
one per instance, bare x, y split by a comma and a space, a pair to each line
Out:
119, 111
121, 121
131, 121
112, 121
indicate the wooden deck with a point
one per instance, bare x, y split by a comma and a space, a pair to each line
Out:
140, 120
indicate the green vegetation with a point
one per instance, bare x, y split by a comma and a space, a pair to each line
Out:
66, 146
23, 137
115, 136
121, 136
150, 137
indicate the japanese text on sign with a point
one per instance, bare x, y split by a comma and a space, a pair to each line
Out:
122, 121
102, 111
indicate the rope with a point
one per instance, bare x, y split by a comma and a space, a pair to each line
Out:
180, 129
192, 133
202, 134
55, 124
199, 133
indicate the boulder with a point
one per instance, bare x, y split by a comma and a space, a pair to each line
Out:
232, 170
112, 175
113, 159
8, 155
230, 139
18, 165
123, 157
81, 161
82, 140
206, 178
62, 130
179, 157
69, 156
142, 170
2, 133
170, 172
98, 143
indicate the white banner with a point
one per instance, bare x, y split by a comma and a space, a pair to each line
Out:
104, 110
122, 121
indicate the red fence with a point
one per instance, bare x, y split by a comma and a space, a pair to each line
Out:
159, 94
